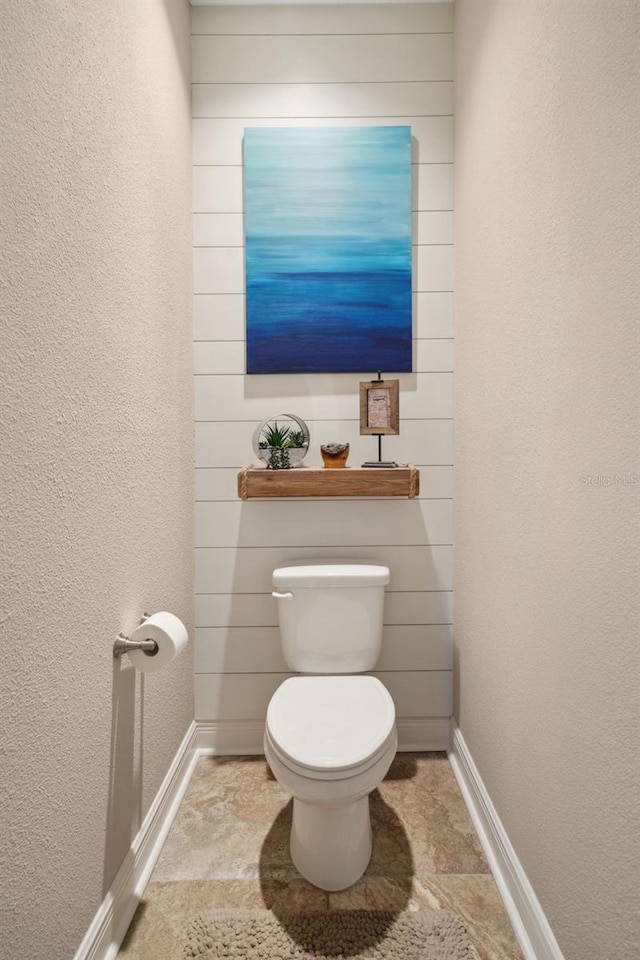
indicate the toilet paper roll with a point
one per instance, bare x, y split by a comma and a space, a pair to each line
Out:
168, 632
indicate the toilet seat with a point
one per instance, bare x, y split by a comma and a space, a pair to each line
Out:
330, 727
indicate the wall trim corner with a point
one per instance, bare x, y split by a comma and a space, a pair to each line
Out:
111, 922
527, 917
229, 738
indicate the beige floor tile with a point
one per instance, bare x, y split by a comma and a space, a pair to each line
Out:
420, 797
229, 848
235, 819
377, 893
233, 807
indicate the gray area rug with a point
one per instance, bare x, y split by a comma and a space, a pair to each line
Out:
352, 934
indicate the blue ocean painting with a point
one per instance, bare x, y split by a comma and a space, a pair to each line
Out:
328, 249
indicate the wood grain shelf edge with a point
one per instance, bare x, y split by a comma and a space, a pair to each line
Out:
258, 482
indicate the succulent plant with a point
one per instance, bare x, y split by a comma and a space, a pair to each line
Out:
276, 439
275, 436
296, 438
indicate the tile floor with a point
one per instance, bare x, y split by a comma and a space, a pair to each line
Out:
229, 848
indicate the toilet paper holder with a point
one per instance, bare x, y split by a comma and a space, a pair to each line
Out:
122, 644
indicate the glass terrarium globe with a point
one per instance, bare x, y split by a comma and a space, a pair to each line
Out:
282, 441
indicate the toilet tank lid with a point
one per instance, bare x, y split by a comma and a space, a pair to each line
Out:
314, 575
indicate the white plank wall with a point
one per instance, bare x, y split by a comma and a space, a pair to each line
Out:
313, 65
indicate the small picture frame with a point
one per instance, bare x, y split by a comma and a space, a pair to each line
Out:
380, 407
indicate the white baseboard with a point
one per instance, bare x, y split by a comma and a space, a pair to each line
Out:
422, 734
229, 738
106, 933
529, 923
237, 737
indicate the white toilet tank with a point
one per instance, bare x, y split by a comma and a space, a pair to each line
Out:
330, 615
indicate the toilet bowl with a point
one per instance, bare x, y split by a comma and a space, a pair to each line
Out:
329, 742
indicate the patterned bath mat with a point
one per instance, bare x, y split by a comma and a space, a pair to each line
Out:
339, 935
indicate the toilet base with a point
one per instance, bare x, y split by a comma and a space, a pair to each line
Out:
331, 845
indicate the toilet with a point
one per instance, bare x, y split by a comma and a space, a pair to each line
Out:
330, 733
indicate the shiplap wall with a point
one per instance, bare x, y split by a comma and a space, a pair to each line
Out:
320, 65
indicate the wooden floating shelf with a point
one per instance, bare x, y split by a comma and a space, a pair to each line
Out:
401, 481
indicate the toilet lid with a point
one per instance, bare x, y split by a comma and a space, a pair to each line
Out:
330, 723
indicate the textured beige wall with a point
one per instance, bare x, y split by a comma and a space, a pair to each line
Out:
96, 443
546, 625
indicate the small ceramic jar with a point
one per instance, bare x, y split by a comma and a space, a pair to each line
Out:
334, 455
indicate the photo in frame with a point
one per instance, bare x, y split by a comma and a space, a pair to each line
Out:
380, 407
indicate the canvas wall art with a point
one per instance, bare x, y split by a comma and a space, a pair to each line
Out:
328, 249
